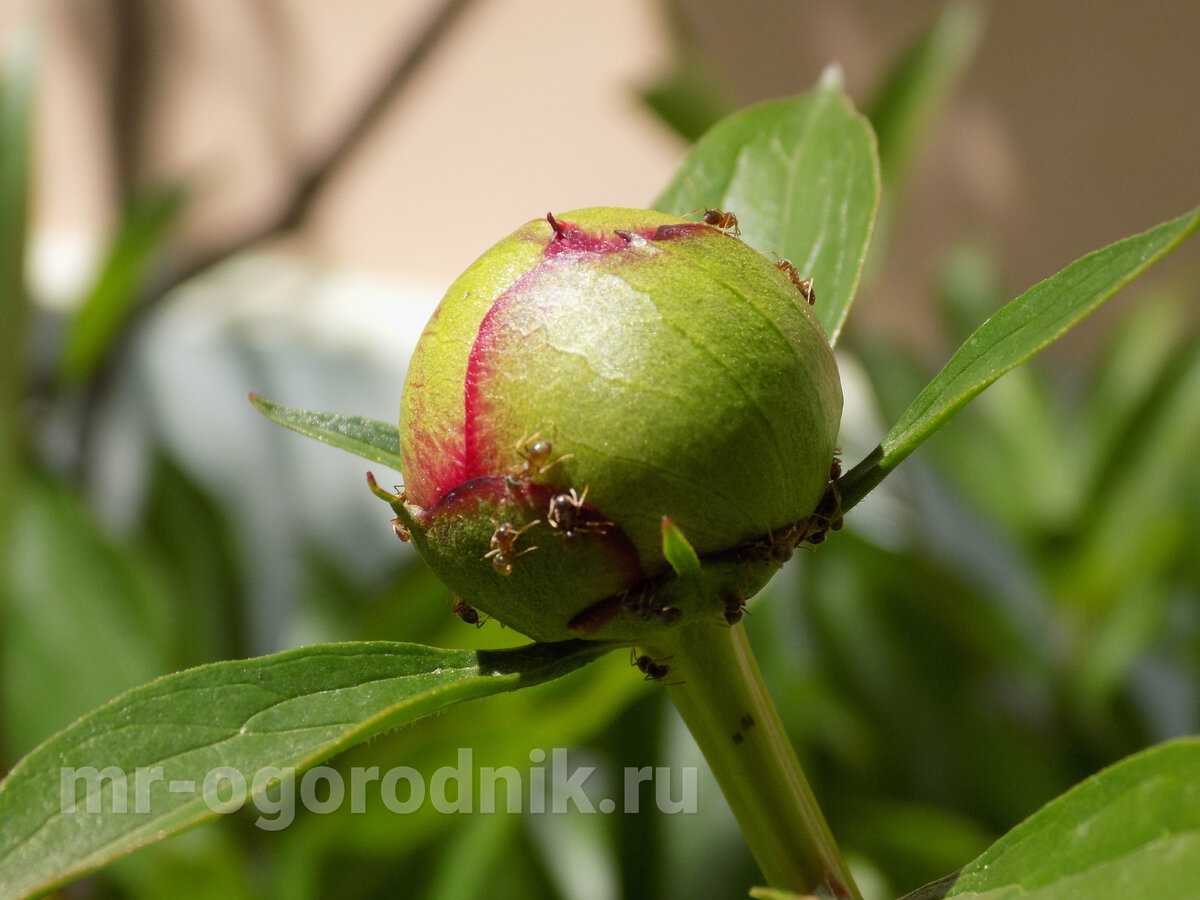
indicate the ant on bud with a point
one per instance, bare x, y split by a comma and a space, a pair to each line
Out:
803, 285
654, 671
503, 545
565, 511
735, 608
726, 222
467, 613
535, 452
401, 529
835, 468
828, 515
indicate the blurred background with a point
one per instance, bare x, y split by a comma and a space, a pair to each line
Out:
271, 195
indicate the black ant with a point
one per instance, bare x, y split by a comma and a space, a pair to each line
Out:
827, 516
504, 542
564, 514
654, 671
735, 608
467, 612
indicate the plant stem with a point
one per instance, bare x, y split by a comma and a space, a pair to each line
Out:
715, 684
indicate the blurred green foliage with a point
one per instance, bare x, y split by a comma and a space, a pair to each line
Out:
1016, 608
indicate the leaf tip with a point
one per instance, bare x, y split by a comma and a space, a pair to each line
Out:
833, 77
678, 550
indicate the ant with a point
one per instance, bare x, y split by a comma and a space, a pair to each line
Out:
803, 285
504, 542
467, 612
827, 517
735, 608
401, 529
535, 452
727, 222
654, 671
565, 512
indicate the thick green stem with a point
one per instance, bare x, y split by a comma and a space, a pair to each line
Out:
717, 688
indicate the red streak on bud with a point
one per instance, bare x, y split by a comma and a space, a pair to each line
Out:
596, 615
480, 456
570, 238
682, 230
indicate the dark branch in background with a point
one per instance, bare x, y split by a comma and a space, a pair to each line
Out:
296, 206
316, 177
129, 42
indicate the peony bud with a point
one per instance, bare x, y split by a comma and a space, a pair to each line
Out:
615, 421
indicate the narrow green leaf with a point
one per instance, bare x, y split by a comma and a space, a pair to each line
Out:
918, 84
805, 174
1024, 326
285, 711
910, 98
144, 229
369, 438
1133, 830
679, 551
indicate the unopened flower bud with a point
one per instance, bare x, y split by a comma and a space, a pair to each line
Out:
597, 389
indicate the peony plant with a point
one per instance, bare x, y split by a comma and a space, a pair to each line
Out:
618, 424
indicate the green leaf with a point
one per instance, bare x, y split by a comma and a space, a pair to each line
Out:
368, 438
1016, 332
805, 174
85, 618
286, 711
145, 226
1131, 831
678, 550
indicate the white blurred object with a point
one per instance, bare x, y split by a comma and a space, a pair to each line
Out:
300, 335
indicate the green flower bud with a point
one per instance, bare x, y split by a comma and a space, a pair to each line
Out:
617, 420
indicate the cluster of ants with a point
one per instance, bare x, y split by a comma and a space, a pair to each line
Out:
727, 223
564, 512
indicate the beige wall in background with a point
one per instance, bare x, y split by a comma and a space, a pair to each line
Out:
1077, 123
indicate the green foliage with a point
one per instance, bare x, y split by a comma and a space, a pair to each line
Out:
368, 438
16, 114
803, 175
1025, 618
908, 99
285, 711
1130, 831
143, 231
84, 622
1028, 324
